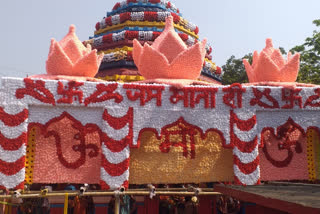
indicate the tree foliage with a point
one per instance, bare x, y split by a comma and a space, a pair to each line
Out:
310, 57
234, 71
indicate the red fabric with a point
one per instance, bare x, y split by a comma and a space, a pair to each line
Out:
205, 204
56, 210
101, 210
81, 205
151, 205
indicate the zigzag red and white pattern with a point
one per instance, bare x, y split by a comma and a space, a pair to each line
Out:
116, 149
244, 138
13, 137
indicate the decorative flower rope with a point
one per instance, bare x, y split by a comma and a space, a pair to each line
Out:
124, 48
140, 35
145, 16
117, 56
144, 24
125, 53
208, 65
161, 4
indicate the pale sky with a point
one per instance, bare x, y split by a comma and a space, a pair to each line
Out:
232, 27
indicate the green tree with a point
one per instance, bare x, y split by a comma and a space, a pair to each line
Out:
309, 57
234, 71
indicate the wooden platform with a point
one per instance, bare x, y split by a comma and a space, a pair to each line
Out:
287, 197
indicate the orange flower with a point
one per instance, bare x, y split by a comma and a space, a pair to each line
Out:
71, 58
169, 57
270, 65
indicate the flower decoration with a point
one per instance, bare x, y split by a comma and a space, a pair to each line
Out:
169, 58
70, 57
270, 66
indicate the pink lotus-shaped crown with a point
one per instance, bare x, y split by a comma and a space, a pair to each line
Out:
70, 57
169, 57
270, 65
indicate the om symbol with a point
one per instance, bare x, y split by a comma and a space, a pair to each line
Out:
82, 147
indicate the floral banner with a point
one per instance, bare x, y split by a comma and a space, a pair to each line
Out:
113, 124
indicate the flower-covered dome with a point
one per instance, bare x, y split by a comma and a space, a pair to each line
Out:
144, 21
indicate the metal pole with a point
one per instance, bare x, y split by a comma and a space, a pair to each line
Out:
109, 193
131, 190
66, 202
117, 205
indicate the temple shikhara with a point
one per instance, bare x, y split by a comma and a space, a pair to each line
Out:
141, 102
143, 21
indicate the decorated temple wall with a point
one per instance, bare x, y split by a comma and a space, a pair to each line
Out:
115, 134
